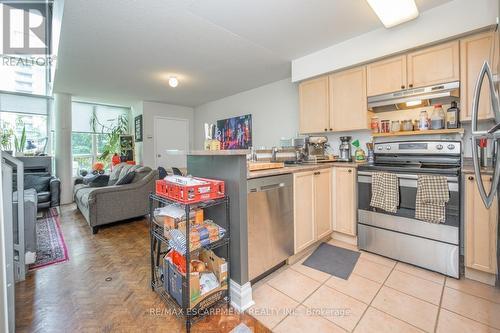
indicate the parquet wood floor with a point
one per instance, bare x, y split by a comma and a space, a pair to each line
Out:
75, 296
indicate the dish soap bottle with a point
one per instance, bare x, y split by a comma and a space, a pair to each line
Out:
452, 116
437, 117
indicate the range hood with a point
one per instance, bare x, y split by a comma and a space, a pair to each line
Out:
417, 97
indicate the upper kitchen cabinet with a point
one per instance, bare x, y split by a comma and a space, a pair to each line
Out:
474, 51
386, 76
314, 108
433, 65
348, 107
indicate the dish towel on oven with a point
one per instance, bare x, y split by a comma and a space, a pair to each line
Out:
385, 191
432, 196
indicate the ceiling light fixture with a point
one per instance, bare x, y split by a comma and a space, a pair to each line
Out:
394, 12
414, 103
173, 82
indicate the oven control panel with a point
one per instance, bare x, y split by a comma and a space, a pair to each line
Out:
419, 147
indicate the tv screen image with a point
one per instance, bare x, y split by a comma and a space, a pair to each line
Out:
235, 133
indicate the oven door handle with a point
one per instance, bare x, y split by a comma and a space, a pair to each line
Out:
407, 180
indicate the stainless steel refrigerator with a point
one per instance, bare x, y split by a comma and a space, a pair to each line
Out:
492, 76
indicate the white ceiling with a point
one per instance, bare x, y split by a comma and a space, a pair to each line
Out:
124, 50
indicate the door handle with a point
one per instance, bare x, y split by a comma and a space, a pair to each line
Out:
159, 155
487, 198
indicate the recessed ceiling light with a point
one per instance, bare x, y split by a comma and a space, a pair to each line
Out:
394, 12
173, 82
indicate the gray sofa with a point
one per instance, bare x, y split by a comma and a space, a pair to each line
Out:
112, 203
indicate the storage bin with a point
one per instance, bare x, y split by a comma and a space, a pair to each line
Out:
205, 189
166, 269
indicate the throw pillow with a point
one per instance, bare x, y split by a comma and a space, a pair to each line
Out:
39, 183
127, 179
99, 181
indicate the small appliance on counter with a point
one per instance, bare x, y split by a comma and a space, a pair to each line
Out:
345, 149
211, 142
316, 149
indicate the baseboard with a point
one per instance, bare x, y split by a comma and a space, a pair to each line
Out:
241, 296
353, 240
474, 274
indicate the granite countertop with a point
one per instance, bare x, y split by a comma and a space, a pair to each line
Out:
468, 167
299, 168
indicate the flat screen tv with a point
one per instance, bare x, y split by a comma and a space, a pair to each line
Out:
235, 133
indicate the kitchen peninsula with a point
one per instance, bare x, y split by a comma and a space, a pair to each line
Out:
314, 186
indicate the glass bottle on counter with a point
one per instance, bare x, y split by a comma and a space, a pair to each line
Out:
437, 117
423, 121
452, 116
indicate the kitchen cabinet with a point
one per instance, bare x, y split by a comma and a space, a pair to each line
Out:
303, 210
480, 228
474, 51
323, 202
348, 104
314, 105
312, 207
344, 200
386, 76
433, 65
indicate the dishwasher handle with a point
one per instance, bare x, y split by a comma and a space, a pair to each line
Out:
265, 188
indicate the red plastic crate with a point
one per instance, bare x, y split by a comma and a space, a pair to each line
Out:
188, 194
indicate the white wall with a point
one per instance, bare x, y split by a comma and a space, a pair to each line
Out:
274, 109
445, 21
150, 110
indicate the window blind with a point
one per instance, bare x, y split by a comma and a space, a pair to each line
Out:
106, 115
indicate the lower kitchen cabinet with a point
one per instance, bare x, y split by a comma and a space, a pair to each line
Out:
344, 200
480, 228
312, 207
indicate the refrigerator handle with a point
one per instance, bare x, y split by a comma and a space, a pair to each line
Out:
495, 103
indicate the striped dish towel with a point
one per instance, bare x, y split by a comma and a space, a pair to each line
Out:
432, 197
385, 191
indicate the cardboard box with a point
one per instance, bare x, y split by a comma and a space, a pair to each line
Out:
215, 264
175, 284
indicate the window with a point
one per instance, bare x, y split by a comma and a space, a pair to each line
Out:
91, 131
18, 112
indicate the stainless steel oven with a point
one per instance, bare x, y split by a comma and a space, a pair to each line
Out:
400, 235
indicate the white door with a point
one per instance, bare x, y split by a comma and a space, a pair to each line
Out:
171, 142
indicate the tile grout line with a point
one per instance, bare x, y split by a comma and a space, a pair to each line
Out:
474, 320
439, 307
467, 293
376, 294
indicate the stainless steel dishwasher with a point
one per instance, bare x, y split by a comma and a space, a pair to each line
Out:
270, 222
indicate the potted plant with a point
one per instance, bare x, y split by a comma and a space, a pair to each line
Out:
112, 133
6, 139
20, 143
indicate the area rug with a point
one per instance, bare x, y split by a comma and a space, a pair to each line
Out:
333, 260
51, 248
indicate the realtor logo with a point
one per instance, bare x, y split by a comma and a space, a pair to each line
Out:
25, 27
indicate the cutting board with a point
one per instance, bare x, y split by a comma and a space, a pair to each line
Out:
255, 166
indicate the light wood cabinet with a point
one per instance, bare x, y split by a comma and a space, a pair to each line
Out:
314, 105
323, 202
480, 228
433, 65
474, 51
344, 200
348, 104
303, 210
386, 76
312, 207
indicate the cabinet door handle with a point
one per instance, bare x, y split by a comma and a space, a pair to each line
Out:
410, 85
331, 129
317, 173
349, 170
326, 129
402, 86
471, 178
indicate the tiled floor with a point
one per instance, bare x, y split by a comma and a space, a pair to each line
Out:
381, 295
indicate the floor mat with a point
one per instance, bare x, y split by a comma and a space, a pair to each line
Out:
333, 260
51, 247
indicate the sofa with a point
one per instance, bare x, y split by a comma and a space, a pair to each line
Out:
48, 189
111, 203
